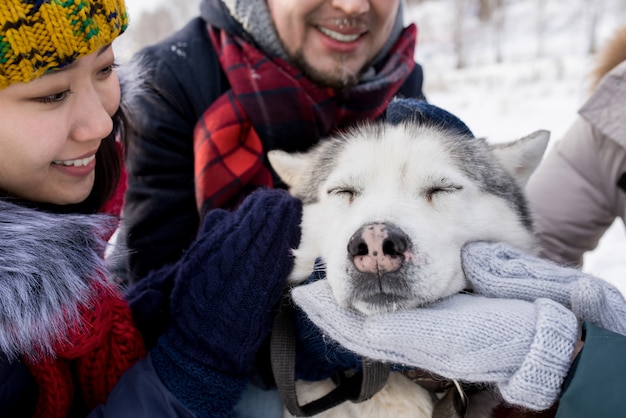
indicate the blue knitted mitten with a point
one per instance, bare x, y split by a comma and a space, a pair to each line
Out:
221, 306
149, 301
422, 112
501, 271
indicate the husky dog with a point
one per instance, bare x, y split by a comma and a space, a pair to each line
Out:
388, 208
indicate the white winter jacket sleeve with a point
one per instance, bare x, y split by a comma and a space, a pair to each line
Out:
574, 193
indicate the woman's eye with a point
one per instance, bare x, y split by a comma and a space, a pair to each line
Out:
60, 97
108, 70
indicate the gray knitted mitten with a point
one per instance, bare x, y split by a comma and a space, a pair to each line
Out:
522, 348
501, 271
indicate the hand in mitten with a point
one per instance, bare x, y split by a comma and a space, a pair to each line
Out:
523, 348
501, 271
221, 307
149, 302
317, 356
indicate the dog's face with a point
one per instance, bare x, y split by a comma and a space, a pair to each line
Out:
389, 207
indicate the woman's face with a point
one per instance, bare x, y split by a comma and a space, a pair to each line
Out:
51, 128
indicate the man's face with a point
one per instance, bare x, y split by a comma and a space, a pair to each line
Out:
333, 41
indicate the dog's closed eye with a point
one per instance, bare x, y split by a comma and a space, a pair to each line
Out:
441, 188
344, 191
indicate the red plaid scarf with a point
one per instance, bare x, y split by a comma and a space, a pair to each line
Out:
273, 103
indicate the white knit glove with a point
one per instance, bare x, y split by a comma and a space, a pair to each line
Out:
523, 348
500, 271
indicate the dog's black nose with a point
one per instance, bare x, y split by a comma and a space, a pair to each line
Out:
378, 248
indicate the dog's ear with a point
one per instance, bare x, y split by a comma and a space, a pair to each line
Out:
288, 166
521, 157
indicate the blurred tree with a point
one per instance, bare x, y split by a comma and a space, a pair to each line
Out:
459, 35
593, 12
540, 27
492, 12
153, 26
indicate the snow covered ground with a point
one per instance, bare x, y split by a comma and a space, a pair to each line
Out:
526, 91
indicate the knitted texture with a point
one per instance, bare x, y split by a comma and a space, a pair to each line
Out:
37, 37
59, 313
149, 301
523, 348
226, 286
96, 353
207, 392
424, 113
501, 271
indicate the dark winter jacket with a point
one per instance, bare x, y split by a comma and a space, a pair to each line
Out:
47, 268
594, 385
160, 215
18, 389
141, 394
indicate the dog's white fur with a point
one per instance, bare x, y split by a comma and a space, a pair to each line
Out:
438, 190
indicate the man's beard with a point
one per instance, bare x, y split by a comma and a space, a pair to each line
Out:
339, 79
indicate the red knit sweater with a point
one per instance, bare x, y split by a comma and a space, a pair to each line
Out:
92, 359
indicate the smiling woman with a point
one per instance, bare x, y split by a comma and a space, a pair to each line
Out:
67, 85
69, 344
60, 120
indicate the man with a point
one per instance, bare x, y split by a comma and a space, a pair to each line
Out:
245, 77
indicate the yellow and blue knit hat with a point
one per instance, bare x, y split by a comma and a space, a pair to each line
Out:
41, 36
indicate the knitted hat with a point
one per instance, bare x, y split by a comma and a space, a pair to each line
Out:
40, 36
422, 112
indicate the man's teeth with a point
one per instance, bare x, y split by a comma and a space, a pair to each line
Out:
81, 162
339, 36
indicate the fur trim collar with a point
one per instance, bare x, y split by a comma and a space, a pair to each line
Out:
49, 265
